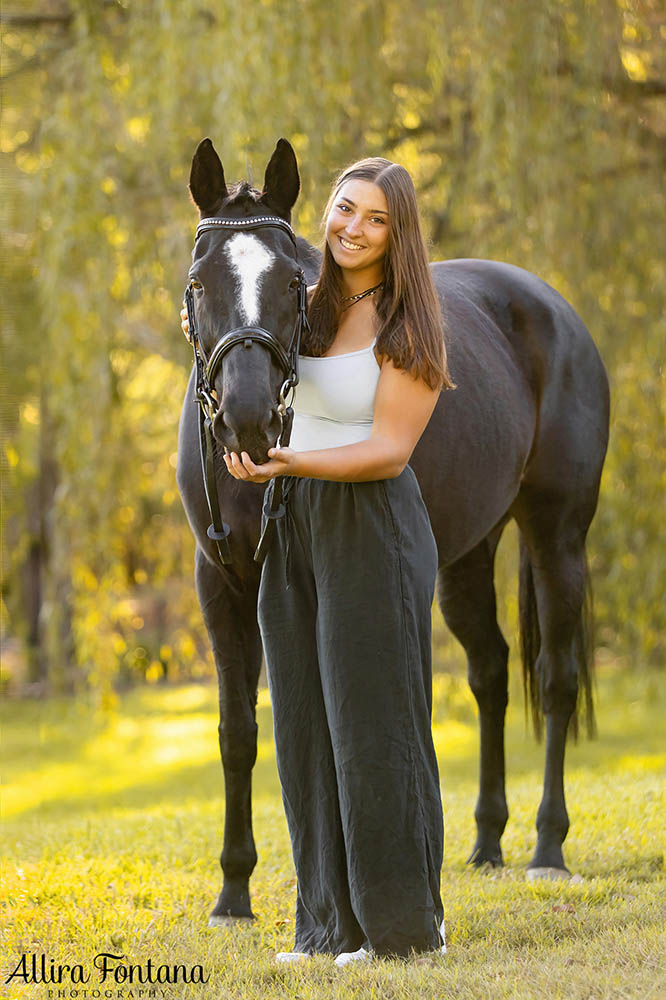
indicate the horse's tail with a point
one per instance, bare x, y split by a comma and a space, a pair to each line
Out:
530, 642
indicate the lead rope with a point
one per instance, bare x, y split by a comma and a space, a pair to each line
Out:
276, 508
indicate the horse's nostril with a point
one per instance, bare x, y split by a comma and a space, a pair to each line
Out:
234, 424
222, 421
221, 427
270, 416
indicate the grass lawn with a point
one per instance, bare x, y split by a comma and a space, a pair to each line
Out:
112, 828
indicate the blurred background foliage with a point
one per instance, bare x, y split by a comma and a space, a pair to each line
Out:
536, 134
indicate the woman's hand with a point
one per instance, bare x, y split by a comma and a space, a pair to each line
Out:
242, 467
184, 321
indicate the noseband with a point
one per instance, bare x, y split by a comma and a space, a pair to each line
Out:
206, 370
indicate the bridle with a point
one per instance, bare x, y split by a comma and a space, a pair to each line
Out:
206, 370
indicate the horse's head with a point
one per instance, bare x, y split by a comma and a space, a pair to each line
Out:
244, 284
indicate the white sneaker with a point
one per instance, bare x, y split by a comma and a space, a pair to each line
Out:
291, 956
353, 956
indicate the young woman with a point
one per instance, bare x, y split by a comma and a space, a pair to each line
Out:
347, 586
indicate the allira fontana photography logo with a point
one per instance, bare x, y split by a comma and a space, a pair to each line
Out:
107, 970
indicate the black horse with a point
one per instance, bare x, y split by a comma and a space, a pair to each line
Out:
523, 436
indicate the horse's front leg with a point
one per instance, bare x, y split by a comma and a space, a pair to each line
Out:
229, 606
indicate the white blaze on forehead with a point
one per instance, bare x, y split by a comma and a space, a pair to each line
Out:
250, 260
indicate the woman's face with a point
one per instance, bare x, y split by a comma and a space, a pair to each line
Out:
357, 228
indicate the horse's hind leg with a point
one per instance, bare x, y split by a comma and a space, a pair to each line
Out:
555, 578
231, 620
466, 595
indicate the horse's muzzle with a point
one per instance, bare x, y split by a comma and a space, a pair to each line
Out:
255, 435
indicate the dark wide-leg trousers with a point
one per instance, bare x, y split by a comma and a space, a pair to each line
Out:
344, 612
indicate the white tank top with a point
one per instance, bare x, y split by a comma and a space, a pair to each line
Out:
335, 400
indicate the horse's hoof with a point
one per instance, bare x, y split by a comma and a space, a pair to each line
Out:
485, 858
548, 874
488, 867
228, 921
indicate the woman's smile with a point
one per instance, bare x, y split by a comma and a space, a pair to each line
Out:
348, 245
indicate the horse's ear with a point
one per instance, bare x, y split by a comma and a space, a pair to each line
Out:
207, 185
281, 183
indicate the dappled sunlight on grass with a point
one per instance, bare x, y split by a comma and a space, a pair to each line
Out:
640, 763
263, 698
454, 741
127, 750
114, 826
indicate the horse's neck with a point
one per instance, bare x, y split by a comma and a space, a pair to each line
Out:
310, 258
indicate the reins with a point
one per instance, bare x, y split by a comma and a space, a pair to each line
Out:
206, 371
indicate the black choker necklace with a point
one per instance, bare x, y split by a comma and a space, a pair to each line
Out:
351, 299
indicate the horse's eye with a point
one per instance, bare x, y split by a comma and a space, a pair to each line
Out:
295, 281
196, 285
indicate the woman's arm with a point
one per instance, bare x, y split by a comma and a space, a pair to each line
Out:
403, 407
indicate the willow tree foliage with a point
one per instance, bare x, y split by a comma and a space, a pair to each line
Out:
535, 134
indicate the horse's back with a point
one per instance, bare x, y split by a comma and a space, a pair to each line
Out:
544, 330
470, 459
559, 361
531, 398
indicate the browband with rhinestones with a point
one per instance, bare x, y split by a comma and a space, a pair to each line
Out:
251, 223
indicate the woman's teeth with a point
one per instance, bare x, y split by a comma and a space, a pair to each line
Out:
350, 246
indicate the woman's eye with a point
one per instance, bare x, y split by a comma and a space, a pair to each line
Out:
344, 208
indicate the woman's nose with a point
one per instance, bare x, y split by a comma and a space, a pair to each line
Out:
354, 226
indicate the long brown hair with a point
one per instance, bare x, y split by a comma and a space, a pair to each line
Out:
411, 328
